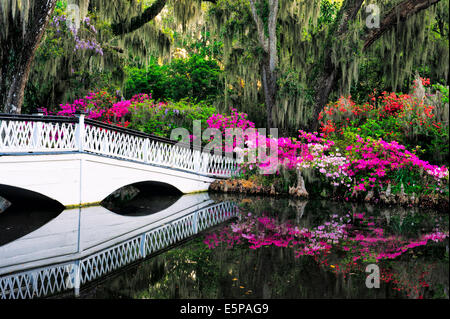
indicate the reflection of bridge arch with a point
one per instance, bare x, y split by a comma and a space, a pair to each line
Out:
94, 258
77, 161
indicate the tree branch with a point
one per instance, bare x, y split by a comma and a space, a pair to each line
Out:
137, 22
273, 15
263, 41
349, 12
121, 28
398, 14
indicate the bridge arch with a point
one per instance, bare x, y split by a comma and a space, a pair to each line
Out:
26, 198
28, 212
142, 199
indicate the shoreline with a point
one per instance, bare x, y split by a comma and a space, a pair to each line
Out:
246, 187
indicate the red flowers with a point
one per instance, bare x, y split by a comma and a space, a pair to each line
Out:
407, 111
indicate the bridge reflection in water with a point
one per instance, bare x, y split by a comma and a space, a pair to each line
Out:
84, 244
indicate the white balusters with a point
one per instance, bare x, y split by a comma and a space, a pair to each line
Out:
37, 135
40, 135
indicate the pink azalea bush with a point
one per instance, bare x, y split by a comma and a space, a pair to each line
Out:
102, 106
415, 120
363, 164
371, 243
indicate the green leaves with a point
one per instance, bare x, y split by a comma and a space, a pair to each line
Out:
195, 78
161, 118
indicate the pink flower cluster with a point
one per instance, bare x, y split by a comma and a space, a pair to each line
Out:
104, 107
235, 120
364, 165
377, 158
265, 231
362, 238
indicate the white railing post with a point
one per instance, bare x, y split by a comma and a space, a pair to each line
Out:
80, 131
197, 160
74, 279
195, 222
104, 146
34, 285
36, 138
205, 162
146, 149
142, 247
159, 157
77, 278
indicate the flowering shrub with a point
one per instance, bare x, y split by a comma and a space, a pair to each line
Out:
140, 112
367, 164
100, 106
407, 109
85, 37
226, 124
375, 163
360, 166
351, 164
409, 119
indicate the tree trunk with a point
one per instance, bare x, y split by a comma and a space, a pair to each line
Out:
18, 47
326, 83
269, 63
270, 91
329, 75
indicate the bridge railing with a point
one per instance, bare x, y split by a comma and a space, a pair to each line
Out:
37, 134
72, 274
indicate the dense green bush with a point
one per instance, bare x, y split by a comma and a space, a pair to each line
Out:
161, 118
195, 78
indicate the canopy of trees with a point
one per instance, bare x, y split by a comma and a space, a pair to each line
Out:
279, 61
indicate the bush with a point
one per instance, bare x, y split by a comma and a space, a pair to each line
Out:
409, 119
161, 118
195, 78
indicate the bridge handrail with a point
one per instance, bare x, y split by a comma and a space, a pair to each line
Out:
75, 120
74, 132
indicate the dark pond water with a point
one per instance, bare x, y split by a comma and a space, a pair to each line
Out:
281, 248
271, 248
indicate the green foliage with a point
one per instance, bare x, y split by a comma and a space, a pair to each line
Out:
196, 78
161, 118
418, 122
444, 91
150, 81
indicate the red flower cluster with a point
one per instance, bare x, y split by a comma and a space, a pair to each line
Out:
392, 104
408, 111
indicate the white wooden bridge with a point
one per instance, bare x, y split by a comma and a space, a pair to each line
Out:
84, 244
77, 161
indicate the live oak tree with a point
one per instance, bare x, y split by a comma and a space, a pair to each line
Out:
22, 25
305, 57
267, 38
332, 71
